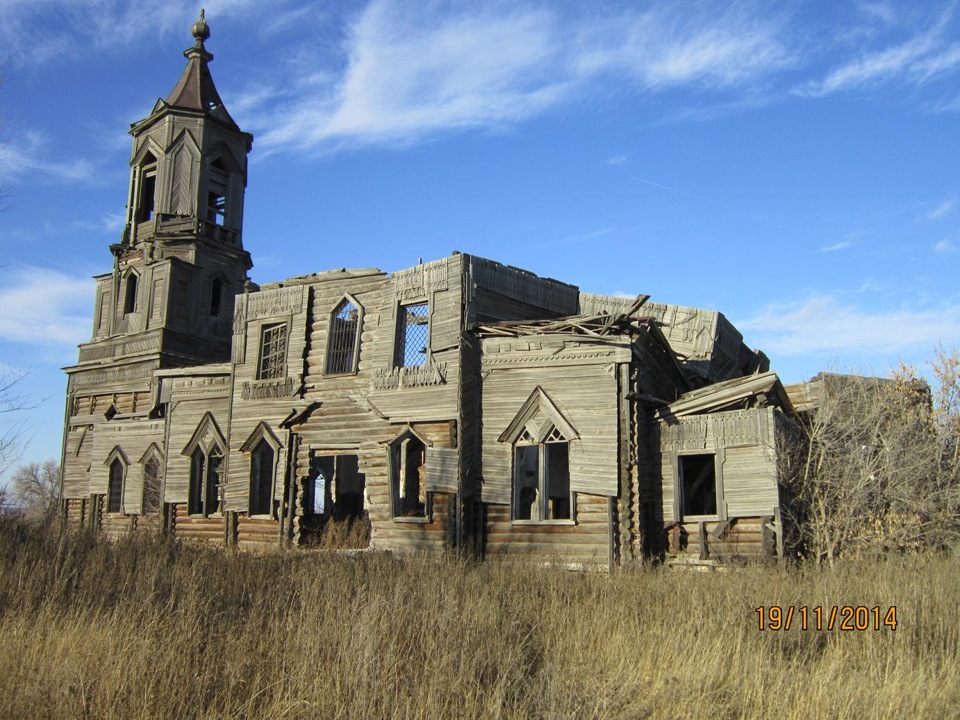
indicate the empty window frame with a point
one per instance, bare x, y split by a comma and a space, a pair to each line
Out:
413, 335
152, 496
343, 342
217, 193
273, 352
216, 297
408, 476
115, 488
146, 188
335, 487
130, 294
205, 467
262, 466
698, 484
541, 477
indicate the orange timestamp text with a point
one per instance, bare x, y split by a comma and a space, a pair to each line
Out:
835, 617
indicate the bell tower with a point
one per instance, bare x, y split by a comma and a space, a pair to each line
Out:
168, 301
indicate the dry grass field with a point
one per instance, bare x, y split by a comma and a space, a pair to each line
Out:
144, 628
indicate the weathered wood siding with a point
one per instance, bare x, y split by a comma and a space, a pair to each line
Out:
585, 543
503, 292
132, 438
580, 378
715, 540
744, 442
191, 399
188, 527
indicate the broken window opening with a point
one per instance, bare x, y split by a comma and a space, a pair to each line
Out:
335, 488
261, 479
413, 335
130, 294
204, 498
151, 487
115, 488
542, 478
146, 196
698, 484
216, 297
409, 478
343, 339
273, 352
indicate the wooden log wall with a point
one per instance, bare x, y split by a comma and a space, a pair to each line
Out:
585, 543
739, 538
257, 533
188, 527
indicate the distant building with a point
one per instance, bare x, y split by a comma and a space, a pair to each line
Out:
459, 403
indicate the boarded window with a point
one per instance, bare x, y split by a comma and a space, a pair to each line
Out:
698, 485
273, 352
261, 479
115, 488
413, 335
541, 472
151, 487
343, 340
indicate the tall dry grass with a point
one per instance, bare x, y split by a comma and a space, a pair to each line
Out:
146, 628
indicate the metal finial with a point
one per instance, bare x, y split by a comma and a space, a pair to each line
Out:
200, 29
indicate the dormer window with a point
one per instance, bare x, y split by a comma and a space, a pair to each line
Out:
147, 184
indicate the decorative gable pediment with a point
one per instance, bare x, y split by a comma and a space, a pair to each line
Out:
538, 420
207, 436
262, 432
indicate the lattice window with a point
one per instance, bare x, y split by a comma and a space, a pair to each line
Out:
273, 352
342, 345
414, 334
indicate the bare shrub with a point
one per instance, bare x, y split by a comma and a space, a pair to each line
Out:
36, 489
876, 466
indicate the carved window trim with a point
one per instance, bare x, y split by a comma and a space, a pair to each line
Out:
263, 448
118, 466
272, 358
152, 483
206, 451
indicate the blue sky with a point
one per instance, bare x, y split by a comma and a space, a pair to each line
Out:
795, 165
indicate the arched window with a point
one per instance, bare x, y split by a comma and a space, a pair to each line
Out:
115, 488
408, 459
152, 498
261, 479
204, 498
343, 338
130, 294
217, 192
541, 472
147, 188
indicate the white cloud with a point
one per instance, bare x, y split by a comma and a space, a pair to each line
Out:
412, 72
26, 156
842, 245
943, 209
617, 160
822, 325
43, 307
945, 246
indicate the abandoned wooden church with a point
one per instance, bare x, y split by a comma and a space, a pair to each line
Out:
458, 403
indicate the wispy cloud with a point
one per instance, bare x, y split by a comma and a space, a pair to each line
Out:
29, 156
617, 160
944, 246
40, 306
412, 72
823, 325
835, 247
918, 59
943, 209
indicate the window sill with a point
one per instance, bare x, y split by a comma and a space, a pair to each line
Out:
544, 522
700, 518
416, 520
261, 517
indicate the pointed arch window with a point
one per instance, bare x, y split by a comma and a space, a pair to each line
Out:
115, 487
262, 464
152, 482
408, 477
540, 437
205, 450
130, 294
343, 342
146, 188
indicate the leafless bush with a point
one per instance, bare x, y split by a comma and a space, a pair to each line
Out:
36, 488
876, 467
